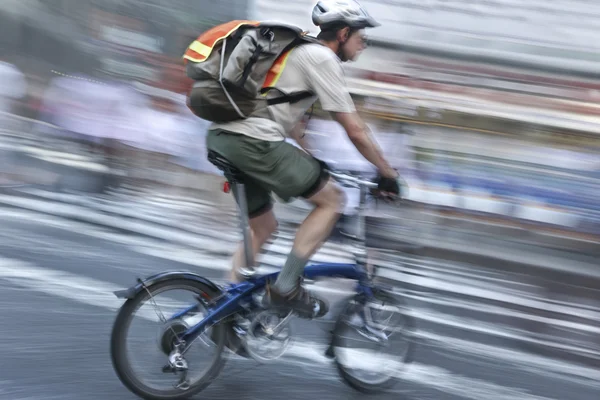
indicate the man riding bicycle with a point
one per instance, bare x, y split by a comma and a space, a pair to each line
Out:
256, 145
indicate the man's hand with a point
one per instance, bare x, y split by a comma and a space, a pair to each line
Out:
388, 185
390, 188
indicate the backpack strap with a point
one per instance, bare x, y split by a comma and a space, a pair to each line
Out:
289, 98
276, 71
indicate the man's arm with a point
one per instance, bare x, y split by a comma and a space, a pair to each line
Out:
326, 79
358, 133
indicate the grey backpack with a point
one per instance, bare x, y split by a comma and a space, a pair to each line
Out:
235, 65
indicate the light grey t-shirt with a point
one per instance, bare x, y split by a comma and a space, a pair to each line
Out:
310, 67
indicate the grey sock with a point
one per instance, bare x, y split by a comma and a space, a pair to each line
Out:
291, 271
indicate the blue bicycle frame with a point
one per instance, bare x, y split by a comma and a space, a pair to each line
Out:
232, 299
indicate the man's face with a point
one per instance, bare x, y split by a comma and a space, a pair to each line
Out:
356, 43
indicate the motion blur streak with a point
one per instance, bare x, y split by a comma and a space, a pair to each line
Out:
488, 109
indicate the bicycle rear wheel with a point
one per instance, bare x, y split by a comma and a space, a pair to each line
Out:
165, 334
355, 347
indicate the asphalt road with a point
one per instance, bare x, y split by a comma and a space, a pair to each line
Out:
476, 326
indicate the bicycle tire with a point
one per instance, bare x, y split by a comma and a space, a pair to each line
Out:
119, 355
410, 327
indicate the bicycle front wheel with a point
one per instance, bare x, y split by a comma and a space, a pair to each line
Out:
371, 357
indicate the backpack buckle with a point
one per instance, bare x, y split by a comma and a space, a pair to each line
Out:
268, 33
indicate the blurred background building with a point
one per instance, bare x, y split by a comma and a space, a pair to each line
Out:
489, 106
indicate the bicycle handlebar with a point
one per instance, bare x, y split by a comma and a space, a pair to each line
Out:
349, 180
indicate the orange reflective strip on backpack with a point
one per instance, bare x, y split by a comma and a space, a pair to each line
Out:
202, 47
276, 70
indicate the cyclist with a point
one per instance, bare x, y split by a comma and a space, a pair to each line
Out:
257, 146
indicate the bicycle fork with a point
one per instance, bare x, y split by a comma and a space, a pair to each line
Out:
362, 323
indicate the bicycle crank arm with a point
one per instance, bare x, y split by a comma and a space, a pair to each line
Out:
277, 330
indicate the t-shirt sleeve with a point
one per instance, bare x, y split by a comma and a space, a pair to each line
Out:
326, 80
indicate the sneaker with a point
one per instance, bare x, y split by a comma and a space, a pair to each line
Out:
298, 300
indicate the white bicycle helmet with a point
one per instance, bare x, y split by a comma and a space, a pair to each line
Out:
345, 12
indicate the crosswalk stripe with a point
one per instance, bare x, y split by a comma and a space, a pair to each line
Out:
527, 361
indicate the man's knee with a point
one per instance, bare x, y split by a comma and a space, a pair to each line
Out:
331, 197
339, 200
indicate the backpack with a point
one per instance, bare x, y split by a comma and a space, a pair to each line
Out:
235, 65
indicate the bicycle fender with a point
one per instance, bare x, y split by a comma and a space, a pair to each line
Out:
162, 277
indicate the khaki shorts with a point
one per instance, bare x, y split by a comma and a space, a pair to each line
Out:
277, 167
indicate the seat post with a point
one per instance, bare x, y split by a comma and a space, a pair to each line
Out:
242, 203
236, 179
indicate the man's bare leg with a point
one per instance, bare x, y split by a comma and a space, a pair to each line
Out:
262, 229
311, 234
